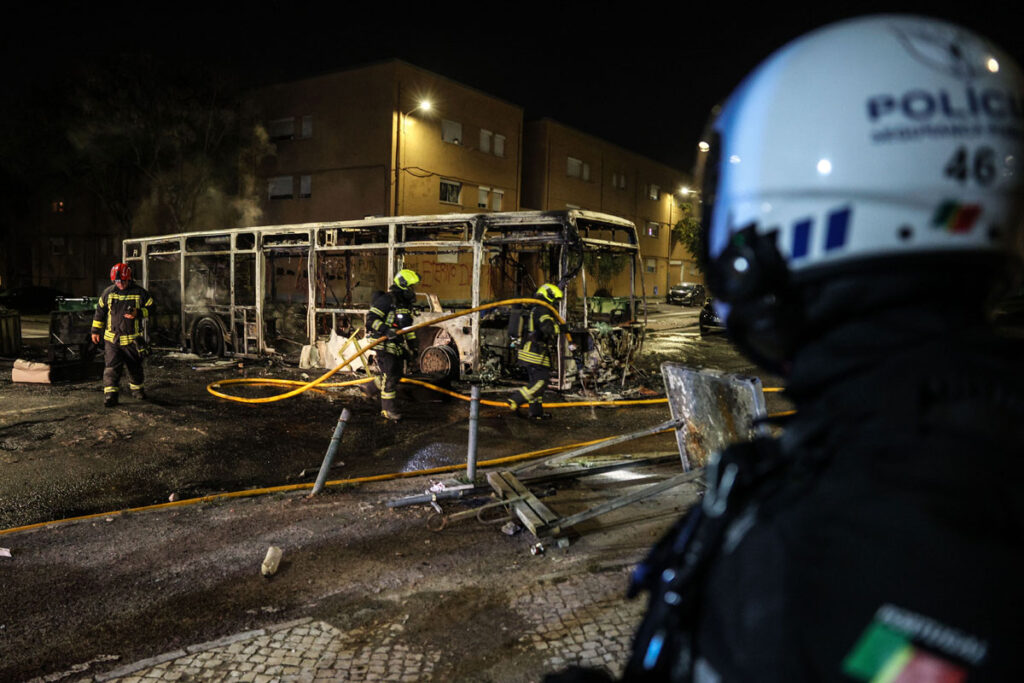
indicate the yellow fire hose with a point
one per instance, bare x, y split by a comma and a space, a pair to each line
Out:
319, 382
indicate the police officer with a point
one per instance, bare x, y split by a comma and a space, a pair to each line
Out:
854, 233
121, 308
390, 312
540, 333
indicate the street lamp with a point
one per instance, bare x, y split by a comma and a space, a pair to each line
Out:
423, 105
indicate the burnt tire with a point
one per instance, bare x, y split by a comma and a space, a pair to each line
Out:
207, 337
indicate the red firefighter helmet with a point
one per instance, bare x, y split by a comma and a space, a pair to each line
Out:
121, 272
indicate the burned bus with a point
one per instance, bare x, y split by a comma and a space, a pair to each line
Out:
301, 292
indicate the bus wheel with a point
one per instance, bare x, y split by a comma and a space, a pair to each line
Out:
207, 337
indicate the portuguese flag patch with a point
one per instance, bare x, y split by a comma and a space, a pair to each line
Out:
885, 655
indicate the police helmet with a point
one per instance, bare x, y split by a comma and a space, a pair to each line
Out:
872, 139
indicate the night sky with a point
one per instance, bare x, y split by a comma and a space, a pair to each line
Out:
645, 81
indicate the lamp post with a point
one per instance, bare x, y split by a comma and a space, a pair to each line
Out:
683, 190
422, 105
694, 199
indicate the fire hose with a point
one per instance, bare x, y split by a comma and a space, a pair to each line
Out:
321, 382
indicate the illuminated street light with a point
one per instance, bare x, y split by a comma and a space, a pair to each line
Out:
423, 105
703, 146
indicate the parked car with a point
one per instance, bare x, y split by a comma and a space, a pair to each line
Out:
685, 294
31, 299
709, 320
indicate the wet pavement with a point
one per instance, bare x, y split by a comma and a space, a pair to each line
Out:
365, 593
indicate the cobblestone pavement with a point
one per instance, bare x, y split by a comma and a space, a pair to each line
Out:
572, 619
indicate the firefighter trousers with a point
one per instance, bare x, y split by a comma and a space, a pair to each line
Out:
537, 377
117, 358
392, 369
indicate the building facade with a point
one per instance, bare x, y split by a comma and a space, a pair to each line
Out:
387, 139
565, 168
362, 143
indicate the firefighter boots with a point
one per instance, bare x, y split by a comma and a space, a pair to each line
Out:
391, 415
110, 399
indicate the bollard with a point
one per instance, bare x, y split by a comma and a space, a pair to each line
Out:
331, 451
474, 417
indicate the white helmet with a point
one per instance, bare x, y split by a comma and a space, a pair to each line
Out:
875, 137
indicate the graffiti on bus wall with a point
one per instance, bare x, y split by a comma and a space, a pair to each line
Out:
443, 274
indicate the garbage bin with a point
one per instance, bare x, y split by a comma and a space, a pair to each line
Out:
10, 332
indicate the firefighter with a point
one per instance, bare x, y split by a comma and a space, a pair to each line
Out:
540, 333
390, 312
119, 313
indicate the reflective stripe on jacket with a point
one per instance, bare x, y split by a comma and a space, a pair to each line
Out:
541, 330
384, 313
110, 311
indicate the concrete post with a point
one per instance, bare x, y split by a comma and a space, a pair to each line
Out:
474, 418
331, 451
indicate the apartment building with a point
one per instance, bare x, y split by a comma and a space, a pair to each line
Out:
387, 139
565, 168
394, 139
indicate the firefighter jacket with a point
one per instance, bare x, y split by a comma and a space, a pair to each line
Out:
540, 332
393, 310
114, 303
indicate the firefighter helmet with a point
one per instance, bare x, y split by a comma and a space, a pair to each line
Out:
406, 278
549, 292
121, 272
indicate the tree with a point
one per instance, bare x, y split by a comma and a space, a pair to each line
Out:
604, 266
687, 232
166, 148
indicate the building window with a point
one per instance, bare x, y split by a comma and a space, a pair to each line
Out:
305, 186
485, 140
282, 187
307, 127
652, 229
651, 266
450, 191
451, 131
499, 146
496, 199
282, 129
482, 197
653, 191
58, 206
578, 169
619, 181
